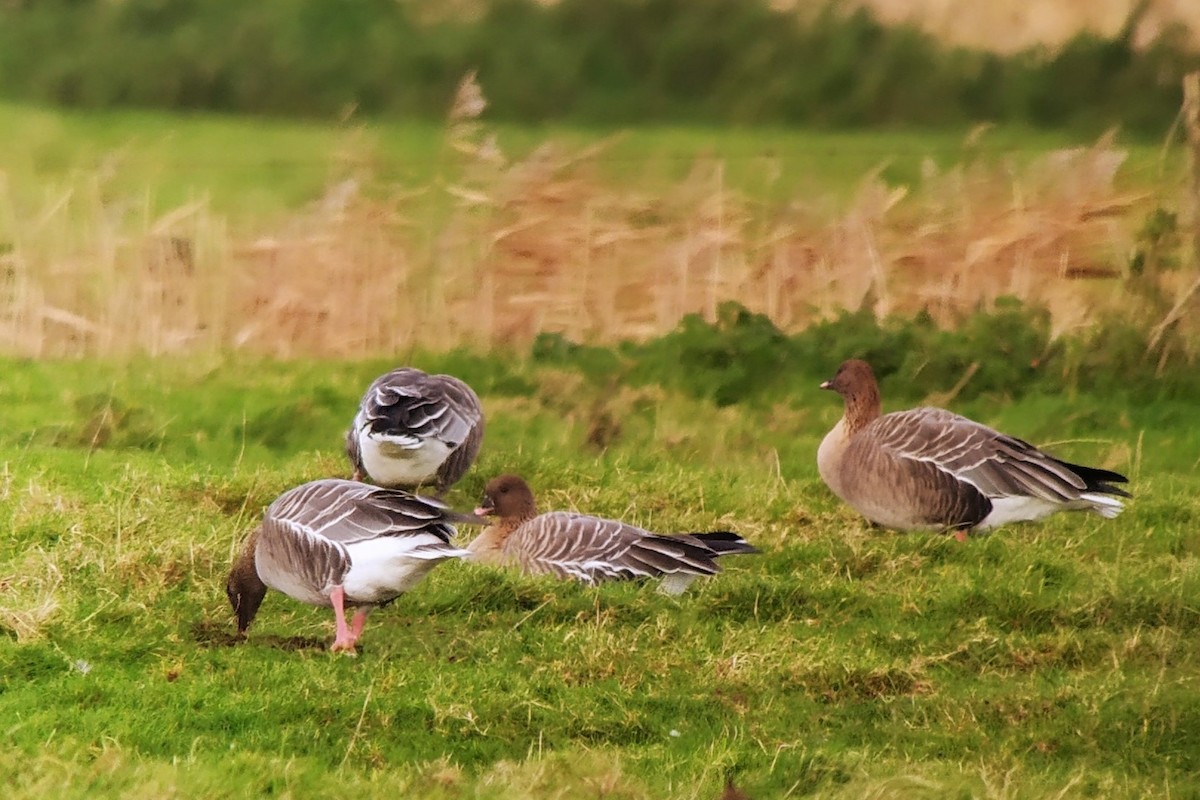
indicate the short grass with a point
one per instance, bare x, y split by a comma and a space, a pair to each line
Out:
1057, 660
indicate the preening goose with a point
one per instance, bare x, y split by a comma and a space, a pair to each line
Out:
413, 429
342, 544
931, 469
590, 549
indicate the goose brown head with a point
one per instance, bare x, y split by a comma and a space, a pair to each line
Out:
244, 588
508, 497
855, 382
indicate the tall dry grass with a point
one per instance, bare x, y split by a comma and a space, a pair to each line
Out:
502, 249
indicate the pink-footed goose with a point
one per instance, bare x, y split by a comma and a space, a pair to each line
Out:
928, 468
414, 429
590, 549
342, 544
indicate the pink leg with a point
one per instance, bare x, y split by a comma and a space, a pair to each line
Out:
344, 639
356, 624
960, 536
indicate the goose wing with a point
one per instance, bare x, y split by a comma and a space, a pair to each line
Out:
994, 464
408, 402
345, 512
594, 550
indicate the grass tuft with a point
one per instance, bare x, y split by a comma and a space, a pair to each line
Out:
29, 596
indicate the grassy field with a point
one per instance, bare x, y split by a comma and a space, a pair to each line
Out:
1056, 660
174, 259
254, 171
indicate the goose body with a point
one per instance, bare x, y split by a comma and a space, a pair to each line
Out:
414, 429
342, 544
591, 549
928, 468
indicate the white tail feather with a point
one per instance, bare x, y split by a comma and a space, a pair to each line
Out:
405, 441
675, 583
1104, 505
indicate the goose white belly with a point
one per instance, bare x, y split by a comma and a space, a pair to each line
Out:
386, 567
1018, 509
401, 460
1028, 509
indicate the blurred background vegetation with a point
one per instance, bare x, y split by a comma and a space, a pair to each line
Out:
577, 61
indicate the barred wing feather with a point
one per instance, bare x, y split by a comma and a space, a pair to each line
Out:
995, 464
408, 401
593, 550
347, 511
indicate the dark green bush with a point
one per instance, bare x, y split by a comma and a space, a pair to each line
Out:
611, 62
1003, 346
742, 355
744, 358
598, 363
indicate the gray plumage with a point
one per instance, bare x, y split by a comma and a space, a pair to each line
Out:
342, 544
591, 549
413, 429
928, 468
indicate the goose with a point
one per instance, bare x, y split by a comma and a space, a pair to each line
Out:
930, 469
413, 429
590, 549
340, 544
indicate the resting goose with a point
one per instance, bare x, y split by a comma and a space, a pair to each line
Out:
342, 544
413, 429
928, 468
590, 549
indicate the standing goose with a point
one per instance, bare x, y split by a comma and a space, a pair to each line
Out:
590, 549
413, 429
342, 543
928, 468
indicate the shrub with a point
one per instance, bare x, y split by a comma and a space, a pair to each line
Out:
740, 356
615, 62
743, 358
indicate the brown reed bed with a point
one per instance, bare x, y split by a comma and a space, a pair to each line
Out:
501, 250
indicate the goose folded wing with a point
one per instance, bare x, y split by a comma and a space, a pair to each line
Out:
426, 406
667, 554
346, 512
593, 550
996, 464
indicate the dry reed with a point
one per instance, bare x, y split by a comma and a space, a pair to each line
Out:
500, 251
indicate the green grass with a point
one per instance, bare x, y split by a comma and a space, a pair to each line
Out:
1040, 661
258, 170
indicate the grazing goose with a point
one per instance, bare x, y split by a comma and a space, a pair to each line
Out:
931, 469
413, 428
590, 549
342, 543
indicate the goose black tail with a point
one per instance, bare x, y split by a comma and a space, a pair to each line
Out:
1100, 480
723, 542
